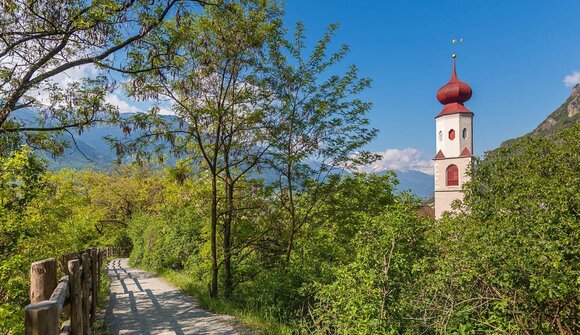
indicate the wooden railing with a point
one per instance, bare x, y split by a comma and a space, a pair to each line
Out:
74, 297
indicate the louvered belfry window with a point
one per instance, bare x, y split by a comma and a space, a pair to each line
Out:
452, 175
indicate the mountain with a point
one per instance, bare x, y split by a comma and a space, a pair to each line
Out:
415, 182
565, 116
90, 150
87, 150
418, 183
93, 152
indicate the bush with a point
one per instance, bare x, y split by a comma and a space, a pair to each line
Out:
510, 261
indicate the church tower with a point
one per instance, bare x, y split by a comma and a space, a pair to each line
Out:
454, 143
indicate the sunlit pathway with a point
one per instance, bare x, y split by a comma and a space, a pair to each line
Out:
142, 303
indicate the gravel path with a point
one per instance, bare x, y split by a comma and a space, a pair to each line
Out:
142, 303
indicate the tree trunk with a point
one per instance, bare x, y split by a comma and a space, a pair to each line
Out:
290, 245
292, 209
214, 217
228, 282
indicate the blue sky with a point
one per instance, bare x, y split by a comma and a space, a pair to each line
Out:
515, 56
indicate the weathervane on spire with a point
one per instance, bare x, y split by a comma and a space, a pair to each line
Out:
456, 41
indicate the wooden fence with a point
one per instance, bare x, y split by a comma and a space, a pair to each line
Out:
73, 298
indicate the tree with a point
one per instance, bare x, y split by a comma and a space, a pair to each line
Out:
323, 122
40, 40
114, 197
210, 78
372, 282
42, 214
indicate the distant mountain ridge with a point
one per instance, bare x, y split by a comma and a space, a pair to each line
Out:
90, 151
418, 183
94, 153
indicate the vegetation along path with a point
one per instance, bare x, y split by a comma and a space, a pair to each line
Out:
142, 303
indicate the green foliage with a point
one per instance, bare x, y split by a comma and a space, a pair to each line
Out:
510, 262
43, 215
366, 263
21, 175
322, 252
41, 40
168, 241
373, 240
364, 237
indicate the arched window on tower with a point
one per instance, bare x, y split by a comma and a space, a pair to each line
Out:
440, 135
452, 173
452, 134
464, 133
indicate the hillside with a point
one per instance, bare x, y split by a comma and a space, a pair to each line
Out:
565, 116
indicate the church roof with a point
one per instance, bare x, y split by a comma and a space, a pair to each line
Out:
453, 95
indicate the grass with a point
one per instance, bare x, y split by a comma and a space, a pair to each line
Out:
251, 318
100, 327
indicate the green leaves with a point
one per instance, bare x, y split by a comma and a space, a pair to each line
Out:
20, 178
44, 214
509, 262
56, 58
377, 240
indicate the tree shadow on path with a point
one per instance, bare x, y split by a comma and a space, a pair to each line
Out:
141, 303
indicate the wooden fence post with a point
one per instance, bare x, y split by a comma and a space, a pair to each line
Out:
76, 314
85, 282
41, 318
99, 266
42, 280
94, 280
77, 291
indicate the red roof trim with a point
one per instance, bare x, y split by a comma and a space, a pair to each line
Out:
439, 155
465, 153
454, 108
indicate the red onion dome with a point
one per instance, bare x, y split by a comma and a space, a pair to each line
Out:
453, 95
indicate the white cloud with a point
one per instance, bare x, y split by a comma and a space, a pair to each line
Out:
63, 79
408, 159
572, 79
73, 75
88, 71
124, 106
165, 109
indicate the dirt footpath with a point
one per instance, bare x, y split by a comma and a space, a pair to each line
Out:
142, 303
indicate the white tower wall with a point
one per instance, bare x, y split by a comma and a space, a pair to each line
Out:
451, 150
457, 122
